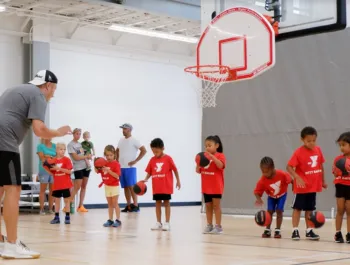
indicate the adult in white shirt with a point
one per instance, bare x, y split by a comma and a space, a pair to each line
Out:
127, 150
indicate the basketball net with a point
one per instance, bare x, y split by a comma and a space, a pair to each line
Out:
213, 77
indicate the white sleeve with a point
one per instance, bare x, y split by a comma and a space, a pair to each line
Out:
137, 143
118, 146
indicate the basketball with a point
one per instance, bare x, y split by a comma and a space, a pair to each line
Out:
342, 166
317, 219
140, 188
49, 163
100, 162
202, 160
263, 218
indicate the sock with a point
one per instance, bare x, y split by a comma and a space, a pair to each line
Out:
57, 215
277, 229
67, 214
295, 228
308, 230
338, 231
267, 229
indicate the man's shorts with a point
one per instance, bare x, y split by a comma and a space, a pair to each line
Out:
128, 177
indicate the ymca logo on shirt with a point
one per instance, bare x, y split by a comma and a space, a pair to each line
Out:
159, 169
276, 187
313, 163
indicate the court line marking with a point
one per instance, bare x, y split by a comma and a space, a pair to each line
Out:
321, 261
283, 238
257, 246
291, 259
65, 260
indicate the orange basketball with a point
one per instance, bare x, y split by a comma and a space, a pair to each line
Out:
49, 163
140, 188
202, 159
263, 218
317, 219
100, 162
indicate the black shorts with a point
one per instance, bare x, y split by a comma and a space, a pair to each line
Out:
161, 197
210, 197
305, 201
61, 193
10, 168
342, 191
83, 173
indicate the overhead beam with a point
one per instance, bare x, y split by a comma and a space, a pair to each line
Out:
189, 9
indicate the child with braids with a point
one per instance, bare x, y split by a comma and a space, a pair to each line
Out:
213, 182
275, 183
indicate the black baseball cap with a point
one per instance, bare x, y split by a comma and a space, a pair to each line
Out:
44, 76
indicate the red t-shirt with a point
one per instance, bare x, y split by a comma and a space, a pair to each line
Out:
308, 165
213, 177
274, 187
161, 169
108, 179
61, 180
340, 178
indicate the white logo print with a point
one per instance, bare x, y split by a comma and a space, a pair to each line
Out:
276, 187
159, 167
313, 161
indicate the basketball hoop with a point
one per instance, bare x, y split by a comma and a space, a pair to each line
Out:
213, 77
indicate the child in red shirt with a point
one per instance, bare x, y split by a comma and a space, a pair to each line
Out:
213, 182
62, 182
161, 168
110, 177
275, 183
306, 168
341, 169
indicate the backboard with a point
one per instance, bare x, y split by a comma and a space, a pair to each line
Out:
241, 39
298, 17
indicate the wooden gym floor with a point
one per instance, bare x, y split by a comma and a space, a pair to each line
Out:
85, 241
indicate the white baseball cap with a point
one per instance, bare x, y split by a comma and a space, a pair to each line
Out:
44, 76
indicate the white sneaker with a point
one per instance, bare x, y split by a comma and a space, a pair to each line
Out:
2, 244
166, 227
157, 226
18, 251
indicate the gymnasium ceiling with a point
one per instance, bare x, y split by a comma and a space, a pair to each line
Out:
98, 14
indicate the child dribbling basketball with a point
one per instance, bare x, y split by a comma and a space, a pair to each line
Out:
306, 168
110, 177
62, 183
275, 183
213, 182
341, 168
161, 168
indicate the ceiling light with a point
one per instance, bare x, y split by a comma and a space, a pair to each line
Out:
2, 8
151, 33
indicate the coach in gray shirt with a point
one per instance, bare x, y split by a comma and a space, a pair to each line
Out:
21, 107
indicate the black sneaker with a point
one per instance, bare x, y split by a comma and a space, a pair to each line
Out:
347, 238
338, 237
295, 235
126, 209
267, 233
277, 233
312, 236
134, 209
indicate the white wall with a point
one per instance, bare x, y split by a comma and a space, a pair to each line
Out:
99, 90
11, 61
12, 72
